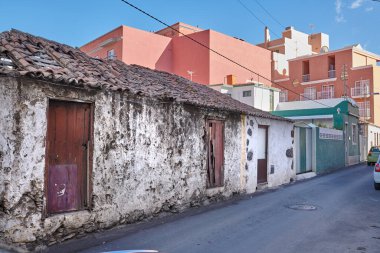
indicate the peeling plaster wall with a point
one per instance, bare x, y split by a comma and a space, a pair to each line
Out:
149, 158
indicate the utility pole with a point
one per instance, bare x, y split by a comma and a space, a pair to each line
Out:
344, 78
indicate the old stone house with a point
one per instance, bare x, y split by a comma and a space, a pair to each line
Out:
87, 144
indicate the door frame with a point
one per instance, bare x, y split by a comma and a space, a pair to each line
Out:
266, 127
90, 150
346, 143
207, 121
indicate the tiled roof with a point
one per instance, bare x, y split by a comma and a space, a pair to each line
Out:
22, 54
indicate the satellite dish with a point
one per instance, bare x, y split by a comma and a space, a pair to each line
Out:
324, 49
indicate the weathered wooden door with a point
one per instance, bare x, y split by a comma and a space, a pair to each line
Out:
262, 152
215, 150
68, 138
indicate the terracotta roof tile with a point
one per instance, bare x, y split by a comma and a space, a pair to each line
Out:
44, 59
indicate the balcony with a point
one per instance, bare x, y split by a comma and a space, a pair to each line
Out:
360, 92
332, 73
325, 94
306, 78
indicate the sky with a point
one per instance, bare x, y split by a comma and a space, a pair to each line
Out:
76, 22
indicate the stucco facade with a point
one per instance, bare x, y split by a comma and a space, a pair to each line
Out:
291, 45
169, 51
320, 77
333, 132
256, 95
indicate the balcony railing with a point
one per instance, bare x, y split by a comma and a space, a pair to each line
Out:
361, 91
306, 78
325, 94
332, 73
307, 96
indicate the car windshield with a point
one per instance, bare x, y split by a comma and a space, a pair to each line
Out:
375, 149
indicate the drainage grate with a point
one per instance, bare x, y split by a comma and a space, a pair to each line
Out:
303, 207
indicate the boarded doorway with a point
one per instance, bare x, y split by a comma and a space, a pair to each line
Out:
262, 154
215, 153
68, 155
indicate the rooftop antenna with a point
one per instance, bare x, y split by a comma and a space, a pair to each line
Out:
190, 72
312, 26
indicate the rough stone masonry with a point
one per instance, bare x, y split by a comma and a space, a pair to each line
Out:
149, 158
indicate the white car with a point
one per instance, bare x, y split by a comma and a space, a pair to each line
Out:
376, 174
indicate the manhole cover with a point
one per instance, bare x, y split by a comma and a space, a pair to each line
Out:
303, 207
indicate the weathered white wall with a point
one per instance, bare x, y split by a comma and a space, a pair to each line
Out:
372, 131
296, 46
281, 63
260, 96
149, 158
280, 143
237, 93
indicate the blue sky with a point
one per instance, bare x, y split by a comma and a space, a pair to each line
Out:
75, 22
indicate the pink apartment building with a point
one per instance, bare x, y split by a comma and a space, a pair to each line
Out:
169, 51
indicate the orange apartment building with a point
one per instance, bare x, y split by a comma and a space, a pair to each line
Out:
170, 51
303, 63
350, 71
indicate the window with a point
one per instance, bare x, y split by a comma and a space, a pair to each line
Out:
327, 92
309, 93
331, 64
364, 109
284, 96
215, 153
360, 89
354, 134
305, 71
111, 54
247, 93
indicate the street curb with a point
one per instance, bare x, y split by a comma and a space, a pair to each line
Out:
100, 237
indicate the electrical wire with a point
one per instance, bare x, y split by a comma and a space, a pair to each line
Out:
277, 36
270, 15
221, 55
256, 17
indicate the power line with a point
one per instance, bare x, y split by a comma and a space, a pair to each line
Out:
256, 17
262, 7
278, 36
216, 52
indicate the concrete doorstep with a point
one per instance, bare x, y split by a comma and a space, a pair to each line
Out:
306, 175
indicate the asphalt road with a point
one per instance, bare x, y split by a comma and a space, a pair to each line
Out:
346, 219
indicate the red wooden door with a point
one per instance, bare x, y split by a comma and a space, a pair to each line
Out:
215, 158
68, 138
